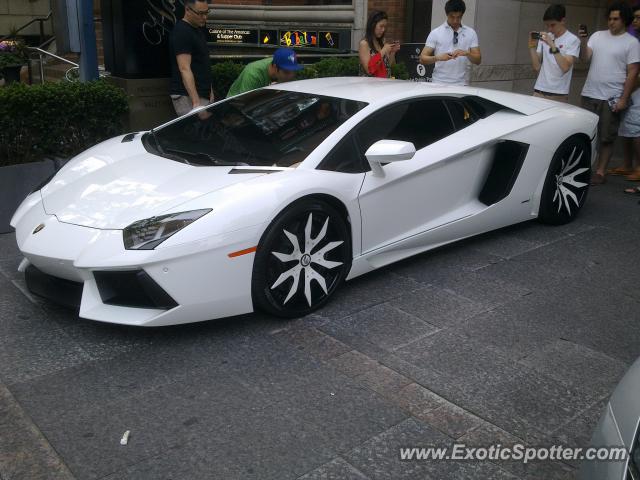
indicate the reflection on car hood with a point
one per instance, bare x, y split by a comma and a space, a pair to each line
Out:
625, 405
113, 184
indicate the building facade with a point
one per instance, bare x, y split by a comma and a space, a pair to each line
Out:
502, 27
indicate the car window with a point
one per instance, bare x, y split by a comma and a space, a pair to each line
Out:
482, 107
260, 128
421, 122
461, 114
344, 158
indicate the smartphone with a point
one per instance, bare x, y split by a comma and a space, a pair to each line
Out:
535, 35
582, 30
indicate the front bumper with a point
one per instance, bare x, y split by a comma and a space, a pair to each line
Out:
58, 290
179, 284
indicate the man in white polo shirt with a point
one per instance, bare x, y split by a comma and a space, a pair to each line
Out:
615, 63
453, 47
553, 56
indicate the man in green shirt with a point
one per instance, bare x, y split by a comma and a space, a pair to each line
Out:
261, 73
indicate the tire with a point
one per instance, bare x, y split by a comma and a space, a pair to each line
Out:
567, 182
302, 258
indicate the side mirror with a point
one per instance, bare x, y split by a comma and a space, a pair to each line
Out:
386, 151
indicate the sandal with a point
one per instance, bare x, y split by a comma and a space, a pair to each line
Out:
632, 191
597, 179
620, 171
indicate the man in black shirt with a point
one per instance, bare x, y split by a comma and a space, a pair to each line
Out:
190, 66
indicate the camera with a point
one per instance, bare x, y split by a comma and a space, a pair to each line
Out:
582, 30
612, 102
535, 35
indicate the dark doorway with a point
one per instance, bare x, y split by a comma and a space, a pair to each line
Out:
418, 18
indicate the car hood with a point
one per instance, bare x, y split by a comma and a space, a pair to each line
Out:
114, 184
625, 406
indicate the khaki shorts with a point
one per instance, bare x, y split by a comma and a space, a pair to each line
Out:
182, 104
609, 121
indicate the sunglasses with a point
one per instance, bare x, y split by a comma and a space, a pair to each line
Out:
455, 38
201, 14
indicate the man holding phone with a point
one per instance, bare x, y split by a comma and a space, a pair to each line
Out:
553, 54
453, 47
615, 63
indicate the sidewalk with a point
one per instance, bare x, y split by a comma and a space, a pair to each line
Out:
515, 336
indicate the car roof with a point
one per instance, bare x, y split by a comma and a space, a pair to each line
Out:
371, 90
380, 91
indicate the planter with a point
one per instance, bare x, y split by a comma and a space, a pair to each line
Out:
11, 73
16, 182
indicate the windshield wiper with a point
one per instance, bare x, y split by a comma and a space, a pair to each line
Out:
213, 160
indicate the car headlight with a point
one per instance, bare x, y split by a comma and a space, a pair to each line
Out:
147, 234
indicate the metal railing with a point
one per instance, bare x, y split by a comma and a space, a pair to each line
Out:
28, 24
42, 53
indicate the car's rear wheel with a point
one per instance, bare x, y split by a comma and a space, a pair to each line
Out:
301, 259
567, 182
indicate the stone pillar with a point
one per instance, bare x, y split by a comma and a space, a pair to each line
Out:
361, 12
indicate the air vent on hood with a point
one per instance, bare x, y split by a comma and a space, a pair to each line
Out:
128, 137
252, 170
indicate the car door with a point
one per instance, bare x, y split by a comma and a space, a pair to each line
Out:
439, 185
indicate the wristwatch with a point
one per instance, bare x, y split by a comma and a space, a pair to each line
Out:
554, 50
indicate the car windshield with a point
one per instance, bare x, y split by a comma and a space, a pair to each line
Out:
260, 128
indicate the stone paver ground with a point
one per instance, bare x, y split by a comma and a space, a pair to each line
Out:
517, 336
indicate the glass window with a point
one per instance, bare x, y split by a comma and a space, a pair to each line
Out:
482, 107
345, 158
421, 122
259, 128
461, 114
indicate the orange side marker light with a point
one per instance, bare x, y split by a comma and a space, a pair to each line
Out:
242, 252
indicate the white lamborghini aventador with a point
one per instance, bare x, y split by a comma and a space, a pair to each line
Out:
273, 198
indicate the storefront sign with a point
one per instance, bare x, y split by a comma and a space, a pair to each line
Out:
298, 38
269, 37
283, 38
233, 35
409, 54
329, 39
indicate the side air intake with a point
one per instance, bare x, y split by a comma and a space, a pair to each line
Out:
505, 168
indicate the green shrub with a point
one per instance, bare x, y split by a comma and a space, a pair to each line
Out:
57, 119
344, 67
224, 74
331, 67
399, 71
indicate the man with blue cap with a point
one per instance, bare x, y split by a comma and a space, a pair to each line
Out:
261, 73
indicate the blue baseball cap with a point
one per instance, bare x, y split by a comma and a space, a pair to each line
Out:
286, 59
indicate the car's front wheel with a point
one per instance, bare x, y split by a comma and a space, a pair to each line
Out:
301, 259
567, 182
